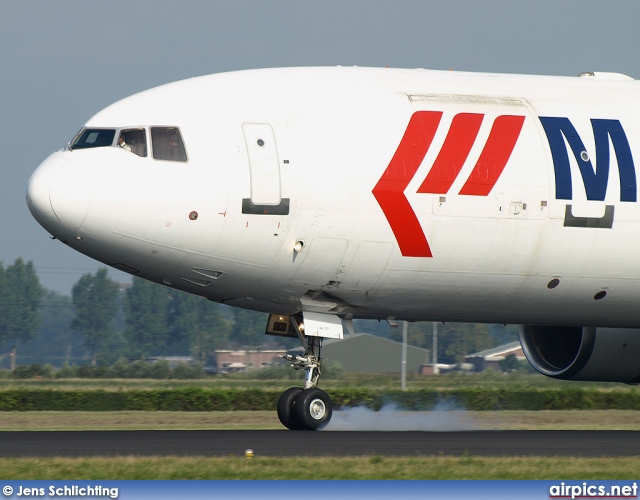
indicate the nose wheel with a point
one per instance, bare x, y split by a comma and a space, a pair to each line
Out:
307, 409
313, 408
286, 409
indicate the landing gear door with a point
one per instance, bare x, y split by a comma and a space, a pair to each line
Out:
322, 325
264, 166
315, 325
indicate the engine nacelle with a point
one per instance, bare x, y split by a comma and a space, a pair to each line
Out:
583, 353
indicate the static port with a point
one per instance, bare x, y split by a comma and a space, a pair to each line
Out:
600, 295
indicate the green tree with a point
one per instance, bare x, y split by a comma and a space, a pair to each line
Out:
248, 327
461, 339
56, 343
418, 334
145, 309
455, 340
95, 300
503, 334
21, 296
182, 318
509, 363
197, 324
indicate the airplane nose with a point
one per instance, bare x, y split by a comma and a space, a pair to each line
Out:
58, 196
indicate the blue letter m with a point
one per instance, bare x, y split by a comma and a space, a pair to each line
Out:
594, 179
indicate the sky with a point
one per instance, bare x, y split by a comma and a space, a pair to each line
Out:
62, 61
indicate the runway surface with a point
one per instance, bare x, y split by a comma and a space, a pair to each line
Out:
300, 443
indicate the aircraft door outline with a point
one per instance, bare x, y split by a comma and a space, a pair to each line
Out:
264, 172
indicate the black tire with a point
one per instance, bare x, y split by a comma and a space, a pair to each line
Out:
286, 409
313, 408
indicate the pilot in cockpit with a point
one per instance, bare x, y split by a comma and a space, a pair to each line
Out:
123, 144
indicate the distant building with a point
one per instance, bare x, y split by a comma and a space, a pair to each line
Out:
243, 360
490, 359
172, 360
364, 353
442, 368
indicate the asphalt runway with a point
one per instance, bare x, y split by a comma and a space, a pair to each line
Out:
301, 443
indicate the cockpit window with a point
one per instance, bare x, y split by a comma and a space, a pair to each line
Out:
133, 140
167, 144
93, 138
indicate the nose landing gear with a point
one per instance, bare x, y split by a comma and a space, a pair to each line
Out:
309, 408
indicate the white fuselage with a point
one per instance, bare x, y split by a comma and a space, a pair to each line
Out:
410, 194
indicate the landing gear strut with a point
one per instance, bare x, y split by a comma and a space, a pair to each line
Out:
309, 408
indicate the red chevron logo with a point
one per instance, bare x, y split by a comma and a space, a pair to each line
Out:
417, 138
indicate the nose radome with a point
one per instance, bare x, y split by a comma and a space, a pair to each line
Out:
58, 195
70, 194
38, 191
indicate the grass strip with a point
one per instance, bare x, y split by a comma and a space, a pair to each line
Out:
268, 420
368, 467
